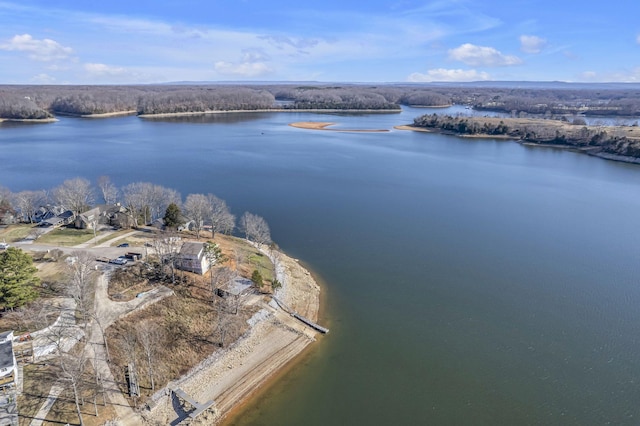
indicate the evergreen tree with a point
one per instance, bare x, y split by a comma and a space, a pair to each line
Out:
172, 216
257, 279
17, 278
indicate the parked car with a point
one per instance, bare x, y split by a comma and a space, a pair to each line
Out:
4, 246
123, 245
118, 261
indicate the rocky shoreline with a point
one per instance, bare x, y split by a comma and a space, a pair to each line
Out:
229, 377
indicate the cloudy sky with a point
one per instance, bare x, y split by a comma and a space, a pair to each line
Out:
144, 41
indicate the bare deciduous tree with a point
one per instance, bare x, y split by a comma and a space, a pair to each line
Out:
255, 228
220, 276
72, 368
81, 284
166, 245
27, 202
222, 220
150, 336
75, 194
197, 208
108, 190
149, 201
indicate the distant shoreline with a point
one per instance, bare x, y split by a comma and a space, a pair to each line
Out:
180, 114
102, 115
28, 120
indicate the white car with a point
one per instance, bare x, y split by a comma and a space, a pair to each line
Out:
4, 246
119, 261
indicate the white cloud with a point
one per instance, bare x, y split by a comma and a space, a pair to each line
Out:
43, 79
103, 73
242, 69
38, 50
442, 74
482, 56
628, 76
103, 69
532, 44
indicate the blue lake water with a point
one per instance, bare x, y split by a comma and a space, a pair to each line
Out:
466, 281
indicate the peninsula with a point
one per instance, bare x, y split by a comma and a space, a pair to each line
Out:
621, 143
171, 324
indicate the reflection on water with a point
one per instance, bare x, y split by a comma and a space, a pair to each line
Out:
212, 118
467, 281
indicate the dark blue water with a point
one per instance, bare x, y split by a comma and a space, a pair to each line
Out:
467, 281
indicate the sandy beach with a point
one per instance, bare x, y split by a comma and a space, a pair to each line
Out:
28, 120
229, 377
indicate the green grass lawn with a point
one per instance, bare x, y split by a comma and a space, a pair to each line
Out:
262, 263
66, 237
17, 232
112, 236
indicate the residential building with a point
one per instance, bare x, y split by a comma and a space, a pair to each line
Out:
192, 258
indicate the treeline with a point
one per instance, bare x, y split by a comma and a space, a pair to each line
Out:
41, 101
143, 203
21, 102
617, 140
14, 106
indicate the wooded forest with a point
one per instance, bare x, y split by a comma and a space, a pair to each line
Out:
38, 102
616, 140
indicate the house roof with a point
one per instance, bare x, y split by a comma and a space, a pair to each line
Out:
53, 220
191, 249
237, 286
4, 335
66, 214
6, 354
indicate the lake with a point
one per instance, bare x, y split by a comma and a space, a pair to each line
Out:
465, 281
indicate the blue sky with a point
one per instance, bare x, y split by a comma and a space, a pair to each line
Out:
141, 41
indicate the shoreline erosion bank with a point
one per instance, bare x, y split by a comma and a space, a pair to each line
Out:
231, 376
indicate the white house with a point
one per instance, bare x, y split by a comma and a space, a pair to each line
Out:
192, 258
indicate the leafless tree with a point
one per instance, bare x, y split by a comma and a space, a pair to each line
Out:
27, 202
72, 368
108, 190
222, 220
159, 199
255, 228
135, 200
75, 194
150, 336
197, 208
220, 276
81, 284
166, 245
225, 323
149, 201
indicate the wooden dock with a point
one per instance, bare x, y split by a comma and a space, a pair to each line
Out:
199, 408
299, 317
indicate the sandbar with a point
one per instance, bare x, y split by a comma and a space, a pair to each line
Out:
321, 125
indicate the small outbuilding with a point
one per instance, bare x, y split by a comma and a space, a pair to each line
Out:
236, 287
8, 363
